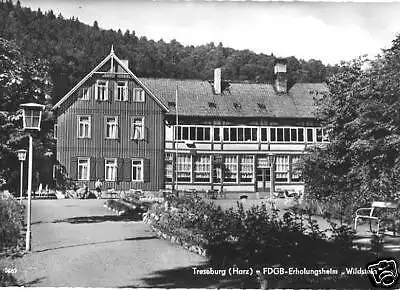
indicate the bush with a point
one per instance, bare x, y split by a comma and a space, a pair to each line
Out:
7, 280
11, 223
257, 238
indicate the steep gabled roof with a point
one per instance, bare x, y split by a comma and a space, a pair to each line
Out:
110, 57
194, 97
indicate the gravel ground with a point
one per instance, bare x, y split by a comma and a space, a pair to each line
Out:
79, 243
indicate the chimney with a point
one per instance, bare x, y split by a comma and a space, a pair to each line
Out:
280, 76
217, 81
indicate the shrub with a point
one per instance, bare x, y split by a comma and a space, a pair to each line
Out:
7, 280
11, 223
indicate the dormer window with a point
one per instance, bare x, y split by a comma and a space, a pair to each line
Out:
121, 91
261, 106
237, 106
212, 105
172, 104
101, 90
139, 95
85, 94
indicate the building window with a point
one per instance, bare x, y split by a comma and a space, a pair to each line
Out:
296, 171
272, 133
202, 168
246, 169
84, 126
83, 168
101, 90
137, 170
263, 165
138, 95
322, 135
193, 133
217, 137
231, 168
85, 94
137, 128
168, 167
300, 134
55, 131
310, 135
240, 134
184, 167
282, 168
264, 134
111, 127
110, 169
121, 92
279, 134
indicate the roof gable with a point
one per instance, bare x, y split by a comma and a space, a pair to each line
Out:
109, 59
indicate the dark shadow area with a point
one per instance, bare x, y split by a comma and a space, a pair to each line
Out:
33, 282
185, 278
105, 218
98, 243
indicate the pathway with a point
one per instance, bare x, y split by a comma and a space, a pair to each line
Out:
79, 243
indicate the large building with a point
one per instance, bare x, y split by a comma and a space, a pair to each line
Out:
151, 134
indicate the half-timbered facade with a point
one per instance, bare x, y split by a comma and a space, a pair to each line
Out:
110, 127
164, 133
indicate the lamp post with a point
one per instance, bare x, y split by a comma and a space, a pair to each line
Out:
32, 117
21, 157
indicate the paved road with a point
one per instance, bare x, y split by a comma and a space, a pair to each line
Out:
79, 243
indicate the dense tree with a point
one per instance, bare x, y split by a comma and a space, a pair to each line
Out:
361, 111
73, 49
21, 81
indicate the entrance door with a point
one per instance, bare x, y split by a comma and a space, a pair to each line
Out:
263, 179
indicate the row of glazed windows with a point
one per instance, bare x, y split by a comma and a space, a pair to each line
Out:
121, 93
111, 127
250, 134
111, 169
236, 168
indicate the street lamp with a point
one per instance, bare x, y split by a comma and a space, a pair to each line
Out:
21, 157
32, 117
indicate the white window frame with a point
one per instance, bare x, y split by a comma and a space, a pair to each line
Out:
79, 171
202, 165
113, 166
282, 167
89, 125
55, 131
243, 166
85, 94
312, 134
184, 167
121, 92
138, 164
295, 173
243, 130
109, 125
178, 131
169, 168
139, 95
231, 165
133, 128
104, 95
324, 135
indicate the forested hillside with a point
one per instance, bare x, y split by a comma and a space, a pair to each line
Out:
72, 49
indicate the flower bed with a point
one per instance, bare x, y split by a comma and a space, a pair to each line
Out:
256, 238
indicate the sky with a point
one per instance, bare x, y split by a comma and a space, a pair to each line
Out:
328, 31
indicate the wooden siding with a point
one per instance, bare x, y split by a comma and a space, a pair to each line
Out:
152, 148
